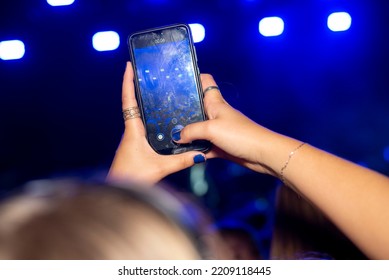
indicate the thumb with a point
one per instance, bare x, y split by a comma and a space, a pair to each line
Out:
182, 161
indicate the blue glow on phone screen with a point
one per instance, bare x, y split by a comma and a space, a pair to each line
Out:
168, 88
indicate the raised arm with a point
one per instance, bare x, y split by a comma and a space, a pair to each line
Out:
355, 198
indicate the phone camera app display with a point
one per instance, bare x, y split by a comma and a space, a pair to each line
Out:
168, 88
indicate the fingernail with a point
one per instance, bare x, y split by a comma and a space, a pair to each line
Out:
176, 135
199, 159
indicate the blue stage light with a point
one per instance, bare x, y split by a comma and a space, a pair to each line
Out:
340, 21
60, 2
106, 41
386, 153
12, 49
198, 32
271, 26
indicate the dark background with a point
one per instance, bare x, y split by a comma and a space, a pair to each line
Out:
60, 111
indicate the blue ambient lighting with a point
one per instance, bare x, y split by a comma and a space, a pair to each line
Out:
386, 153
340, 21
13, 49
60, 2
198, 182
271, 26
106, 41
198, 32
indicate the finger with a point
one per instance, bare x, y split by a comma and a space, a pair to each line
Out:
193, 131
178, 162
134, 124
128, 89
208, 81
210, 96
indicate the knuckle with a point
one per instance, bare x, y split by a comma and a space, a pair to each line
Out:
185, 161
206, 77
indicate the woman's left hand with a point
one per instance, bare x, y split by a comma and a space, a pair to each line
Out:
134, 158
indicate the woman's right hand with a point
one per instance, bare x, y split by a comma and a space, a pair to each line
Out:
233, 135
353, 197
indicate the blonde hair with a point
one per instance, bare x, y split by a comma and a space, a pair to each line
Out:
76, 220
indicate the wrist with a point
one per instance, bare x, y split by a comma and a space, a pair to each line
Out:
277, 154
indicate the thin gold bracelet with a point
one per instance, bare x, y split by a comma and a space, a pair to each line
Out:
291, 154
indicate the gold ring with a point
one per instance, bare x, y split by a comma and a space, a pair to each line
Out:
210, 88
131, 113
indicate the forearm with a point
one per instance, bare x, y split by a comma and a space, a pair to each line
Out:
356, 199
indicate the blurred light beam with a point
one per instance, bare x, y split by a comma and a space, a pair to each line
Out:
105, 41
198, 32
60, 2
386, 153
340, 21
12, 49
271, 26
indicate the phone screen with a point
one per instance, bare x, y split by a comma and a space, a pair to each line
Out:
168, 86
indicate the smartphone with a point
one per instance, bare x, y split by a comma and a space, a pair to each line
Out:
167, 84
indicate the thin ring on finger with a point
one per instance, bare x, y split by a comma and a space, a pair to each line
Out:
131, 113
211, 88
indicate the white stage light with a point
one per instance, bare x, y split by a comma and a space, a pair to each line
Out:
106, 41
12, 49
271, 26
340, 21
198, 32
60, 2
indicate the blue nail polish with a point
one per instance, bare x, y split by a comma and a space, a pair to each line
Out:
199, 159
176, 136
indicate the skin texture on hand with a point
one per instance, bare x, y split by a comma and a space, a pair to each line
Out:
134, 158
233, 135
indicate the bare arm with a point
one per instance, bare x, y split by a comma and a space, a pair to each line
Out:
356, 199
